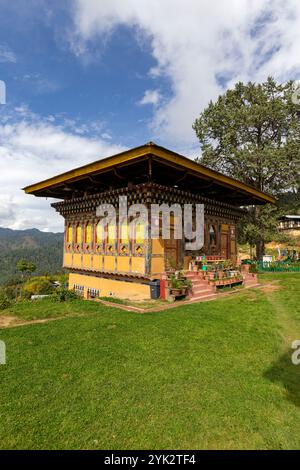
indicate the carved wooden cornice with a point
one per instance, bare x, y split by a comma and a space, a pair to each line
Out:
146, 193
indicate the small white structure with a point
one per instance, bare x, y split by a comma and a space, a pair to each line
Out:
37, 297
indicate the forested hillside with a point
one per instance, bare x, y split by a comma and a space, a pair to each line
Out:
44, 249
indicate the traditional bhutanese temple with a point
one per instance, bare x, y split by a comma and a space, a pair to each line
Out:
111, 264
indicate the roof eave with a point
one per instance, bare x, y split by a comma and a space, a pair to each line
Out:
138, 153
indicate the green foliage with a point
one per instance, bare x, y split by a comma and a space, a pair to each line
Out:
4, 301
253, 269
281, 266
38, 286
179, 283
43, 249
260, 223
64, 295
174, 265
25, 266
252, 133
289, 202
201, 376
114, 300
12, 289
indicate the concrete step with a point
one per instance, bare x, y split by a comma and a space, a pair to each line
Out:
202, 288
200, 283
200, 278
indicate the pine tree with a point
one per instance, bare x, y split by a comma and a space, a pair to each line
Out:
252, 133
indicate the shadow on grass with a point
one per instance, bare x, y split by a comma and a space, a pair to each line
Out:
284, 372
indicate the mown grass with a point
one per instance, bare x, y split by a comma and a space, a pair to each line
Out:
208, 375
47, 308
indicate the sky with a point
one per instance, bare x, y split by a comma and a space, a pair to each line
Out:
88, 78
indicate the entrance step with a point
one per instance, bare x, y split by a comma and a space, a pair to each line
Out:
200, 286
202, 291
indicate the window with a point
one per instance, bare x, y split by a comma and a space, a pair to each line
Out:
70, 234
111, 238
100, 237
124, 233
88, 234
111, 234
212, 235
139, 232
78, 234
99, 234
123, 237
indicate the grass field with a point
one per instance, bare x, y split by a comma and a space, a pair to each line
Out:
209, 375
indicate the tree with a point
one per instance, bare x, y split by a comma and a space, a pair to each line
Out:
252, 133
25, 267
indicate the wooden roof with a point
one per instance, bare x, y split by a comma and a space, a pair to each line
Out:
148, 162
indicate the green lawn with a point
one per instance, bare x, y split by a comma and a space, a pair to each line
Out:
209, 375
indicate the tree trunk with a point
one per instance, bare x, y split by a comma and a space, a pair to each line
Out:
260, 244
260, 249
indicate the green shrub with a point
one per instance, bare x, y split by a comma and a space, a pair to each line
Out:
11, 291
4, 301
62, 295
38, 286
253, 268
180, 283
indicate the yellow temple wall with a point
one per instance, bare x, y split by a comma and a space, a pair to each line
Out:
109, 263
68, 260
157, 257
157, 246
123, 264
105, 263
157, 266
88, 259
110, 287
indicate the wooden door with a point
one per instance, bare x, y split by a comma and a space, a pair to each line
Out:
224, 246
171, 249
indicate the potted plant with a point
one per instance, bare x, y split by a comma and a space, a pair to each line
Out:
175, 268
179, 287
176, 286
253, 268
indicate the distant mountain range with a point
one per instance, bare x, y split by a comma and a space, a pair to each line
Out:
44, 249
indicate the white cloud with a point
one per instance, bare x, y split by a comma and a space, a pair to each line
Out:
201, 46
150, 97
6, 54
40, 85
33, 149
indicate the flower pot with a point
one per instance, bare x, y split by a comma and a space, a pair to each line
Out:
176, 291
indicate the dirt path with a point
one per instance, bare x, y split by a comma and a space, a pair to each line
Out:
12, 322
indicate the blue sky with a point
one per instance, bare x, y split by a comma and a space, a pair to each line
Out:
50, 79
88, 78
